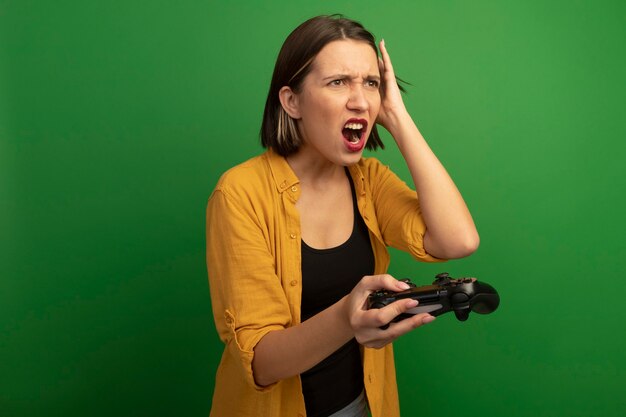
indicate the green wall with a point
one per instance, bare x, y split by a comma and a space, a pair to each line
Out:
117, 118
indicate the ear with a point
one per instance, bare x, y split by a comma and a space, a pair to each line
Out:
289, 100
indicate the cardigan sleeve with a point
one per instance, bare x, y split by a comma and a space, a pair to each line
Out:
398, 211
247, 298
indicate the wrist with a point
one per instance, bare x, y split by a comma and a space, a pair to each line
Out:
344, 308
404, 130
345, 315
395, 122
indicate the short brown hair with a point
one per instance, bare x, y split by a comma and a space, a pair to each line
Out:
279, 131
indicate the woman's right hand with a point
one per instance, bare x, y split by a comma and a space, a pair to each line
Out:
366, 323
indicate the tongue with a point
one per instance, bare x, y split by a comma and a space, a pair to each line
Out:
351, 135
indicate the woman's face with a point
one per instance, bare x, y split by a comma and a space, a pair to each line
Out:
339, 101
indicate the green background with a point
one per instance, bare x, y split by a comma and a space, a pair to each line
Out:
117, 118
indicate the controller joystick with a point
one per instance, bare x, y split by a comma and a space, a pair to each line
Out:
442, 279
460, 295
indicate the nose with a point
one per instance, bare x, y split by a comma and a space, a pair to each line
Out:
357, 100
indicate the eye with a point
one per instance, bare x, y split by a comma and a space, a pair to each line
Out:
337, 82
372, 83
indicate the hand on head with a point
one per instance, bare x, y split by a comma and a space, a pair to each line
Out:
391, 105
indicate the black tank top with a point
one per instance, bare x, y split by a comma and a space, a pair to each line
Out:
327, 276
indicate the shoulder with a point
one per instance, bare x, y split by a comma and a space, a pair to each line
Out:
378, 177
253, 174
371, 164
372, 169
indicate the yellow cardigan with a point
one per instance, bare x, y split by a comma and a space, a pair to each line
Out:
253, 261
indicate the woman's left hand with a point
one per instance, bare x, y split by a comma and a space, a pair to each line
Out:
392, 107
450, 230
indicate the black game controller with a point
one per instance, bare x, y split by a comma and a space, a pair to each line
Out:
460, 295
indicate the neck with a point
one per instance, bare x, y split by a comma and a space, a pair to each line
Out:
314, 170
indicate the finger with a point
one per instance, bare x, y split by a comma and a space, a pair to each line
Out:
396, 308
378, 337
383, 316
371, 283
401, 327
382, 281
381, 70
385, 56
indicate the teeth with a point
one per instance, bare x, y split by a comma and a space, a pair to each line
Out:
355, 126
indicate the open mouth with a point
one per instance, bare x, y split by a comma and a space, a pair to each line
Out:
354, 130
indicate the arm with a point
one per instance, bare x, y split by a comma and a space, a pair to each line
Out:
289, 352
450, 230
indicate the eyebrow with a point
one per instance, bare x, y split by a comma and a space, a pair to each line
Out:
342, 76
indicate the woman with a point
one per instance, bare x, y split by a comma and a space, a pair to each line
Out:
297, 237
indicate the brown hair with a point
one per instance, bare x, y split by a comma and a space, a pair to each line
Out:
279, 131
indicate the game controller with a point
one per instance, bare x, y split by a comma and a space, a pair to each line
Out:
460, 295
